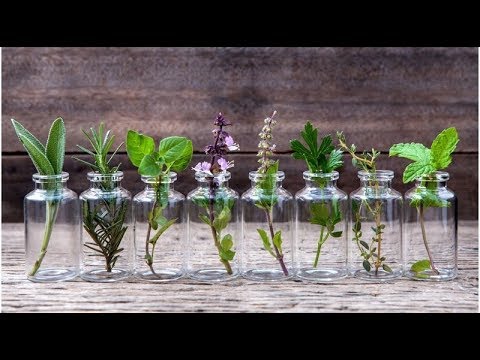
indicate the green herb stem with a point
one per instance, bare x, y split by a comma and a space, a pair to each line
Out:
51, 215
424, 236
272, 234
321, 241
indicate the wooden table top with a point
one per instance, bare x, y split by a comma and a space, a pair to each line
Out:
349, 295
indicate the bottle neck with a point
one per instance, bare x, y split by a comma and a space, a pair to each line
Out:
50, 182
219, 180
162, 181
320, 180
436, 181
273, 181
105, 182
376, 182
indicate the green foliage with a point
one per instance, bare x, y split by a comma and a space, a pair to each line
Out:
324, 158
47, 160
266, 241
420, 266
426, 161
138, 145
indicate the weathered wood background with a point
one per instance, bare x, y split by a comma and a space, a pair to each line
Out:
378, 96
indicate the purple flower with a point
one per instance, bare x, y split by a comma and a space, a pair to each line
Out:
203, 167
231, 144
224, 164
221, 121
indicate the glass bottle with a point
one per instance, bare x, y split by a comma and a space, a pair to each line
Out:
107, 236
321, 228
159, 212
212, 254
431, 229
52, 230
267, 229
375, 248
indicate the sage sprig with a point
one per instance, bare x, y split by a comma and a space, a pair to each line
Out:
48, 160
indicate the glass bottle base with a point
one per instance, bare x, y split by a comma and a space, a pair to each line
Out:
321, 275
102, 275
429, 275
212, 275
53, 275
162, 275
380, 276
266, 275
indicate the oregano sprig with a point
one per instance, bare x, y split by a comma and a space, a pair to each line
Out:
323, 158
48, 160
425, 162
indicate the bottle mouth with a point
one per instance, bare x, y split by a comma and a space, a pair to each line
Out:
437, 176
307, 175
63, 177
256, 176
172, 176
383, 175
95, 176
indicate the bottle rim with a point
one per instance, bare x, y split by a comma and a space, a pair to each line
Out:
172, 176
382, 175
256, 176
308, 175
63, 177
95, 176
437, 176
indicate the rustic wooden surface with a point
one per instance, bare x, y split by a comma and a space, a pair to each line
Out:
378, 96
349, 295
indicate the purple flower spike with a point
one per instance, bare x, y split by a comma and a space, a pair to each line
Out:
231, 144
221, 121
224, 164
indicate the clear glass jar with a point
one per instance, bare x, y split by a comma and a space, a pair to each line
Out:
376, 251
107, 236
431, 229
212, 254
267, 229
159, 212
321, 210
52, 230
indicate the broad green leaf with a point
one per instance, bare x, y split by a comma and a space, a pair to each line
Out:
227, 242
415, 170
442, 148
149, 166
336, 234
319, 214
420, 266
177, 152
387, 268
162, 230
366, 265
138, 145
413, 151
277, 240
222, 219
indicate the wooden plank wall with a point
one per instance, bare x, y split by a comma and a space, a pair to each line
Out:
377, 96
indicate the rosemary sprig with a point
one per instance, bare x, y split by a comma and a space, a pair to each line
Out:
104, 221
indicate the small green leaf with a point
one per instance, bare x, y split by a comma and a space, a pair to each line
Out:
162, 230
265, 240
227, 242
366, 265
336, 234
357, 226
319, 213
149, 166
138, 145
55, 148
227, 255
387, 268
420, 266
364, 244
277, 240
443, 146
205, 219
222, 219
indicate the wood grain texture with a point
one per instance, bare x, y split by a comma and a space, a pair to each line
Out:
17, 179
379, 96
349, 295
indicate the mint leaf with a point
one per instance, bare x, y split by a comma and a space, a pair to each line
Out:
177, 152
138, 145
227, 255
415, 170
427, 198
412, 151
227, 242
420, 266
266, 241
221, 220
277, 241
55, 149
319, 214
443, 146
